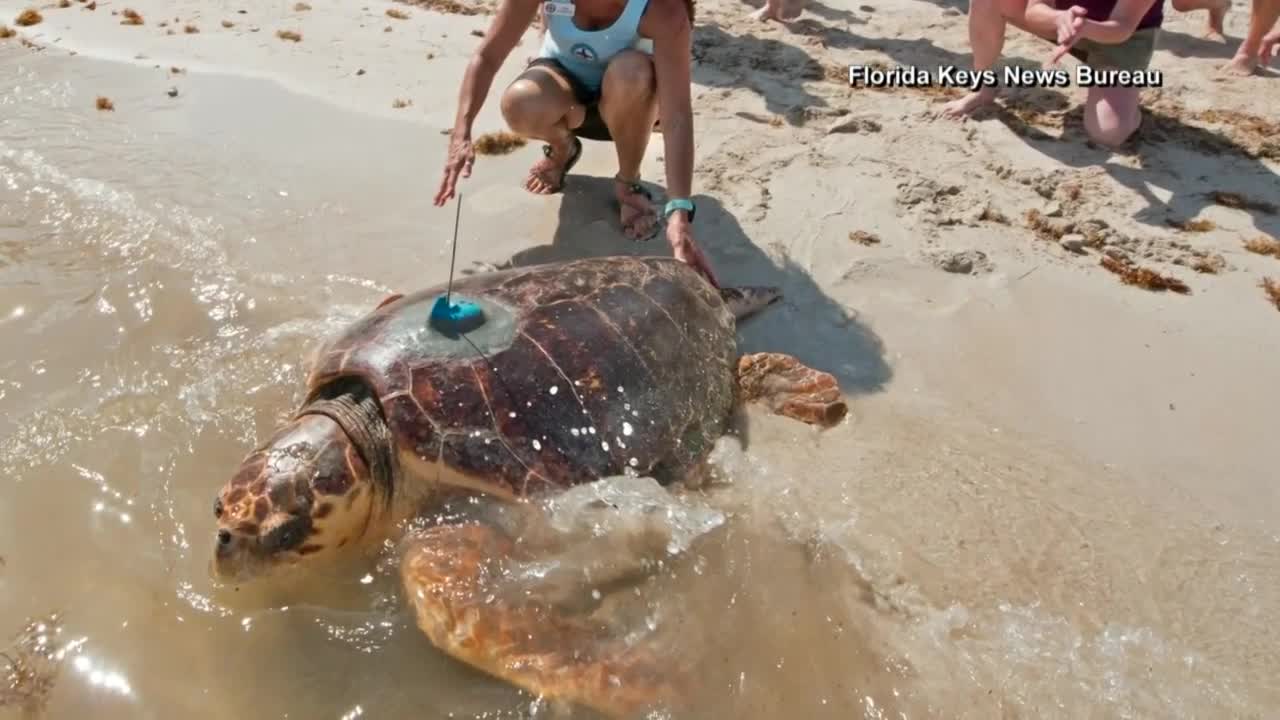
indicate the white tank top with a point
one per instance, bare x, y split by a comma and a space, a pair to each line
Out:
586, 53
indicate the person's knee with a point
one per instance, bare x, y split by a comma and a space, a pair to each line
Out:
532, 104
519, 104
1111, 123
630, 75
1184, 5
1112, 136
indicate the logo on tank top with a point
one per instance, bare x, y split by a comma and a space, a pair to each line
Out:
583, 52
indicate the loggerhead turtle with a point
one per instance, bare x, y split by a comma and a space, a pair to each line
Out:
582, 370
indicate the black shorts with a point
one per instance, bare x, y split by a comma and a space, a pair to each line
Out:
592, 127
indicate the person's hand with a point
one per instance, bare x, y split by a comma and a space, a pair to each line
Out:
1268, 50
458, 165
1069, 24
686, 250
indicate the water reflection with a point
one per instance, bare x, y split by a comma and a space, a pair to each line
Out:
100, 678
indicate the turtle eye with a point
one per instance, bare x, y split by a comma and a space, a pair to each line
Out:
218, 508
285, 536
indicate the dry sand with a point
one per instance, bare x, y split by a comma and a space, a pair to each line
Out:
983, 292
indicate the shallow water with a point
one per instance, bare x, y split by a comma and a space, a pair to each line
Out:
165, 269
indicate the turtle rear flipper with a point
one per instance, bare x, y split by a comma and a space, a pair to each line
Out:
448, 573
788, 387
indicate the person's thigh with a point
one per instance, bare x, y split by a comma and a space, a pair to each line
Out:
1132, 54
629, 77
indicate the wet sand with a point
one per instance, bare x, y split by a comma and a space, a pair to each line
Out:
1053, 497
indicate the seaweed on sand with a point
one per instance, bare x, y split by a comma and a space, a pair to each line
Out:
1272, 288
1142, 277
498, 143
1264, 245
1194, 225
1241, 202
29, 666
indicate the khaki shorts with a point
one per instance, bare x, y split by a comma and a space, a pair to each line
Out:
1132, 54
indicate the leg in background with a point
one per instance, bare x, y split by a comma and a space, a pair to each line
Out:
628, 106
1217, 9
988, 20
1259, 44
1111, 115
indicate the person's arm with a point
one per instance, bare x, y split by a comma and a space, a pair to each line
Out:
513, 18
672, 49
1119, 26
1042, 18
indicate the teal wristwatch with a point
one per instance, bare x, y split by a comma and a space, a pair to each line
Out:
679, 204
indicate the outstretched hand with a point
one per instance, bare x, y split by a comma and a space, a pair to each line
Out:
1069, 24
687, 251
462, 155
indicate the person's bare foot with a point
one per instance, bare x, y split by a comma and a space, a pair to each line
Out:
780, 10
639, 219
546, 177
1216, 30
1240, 66
967, 105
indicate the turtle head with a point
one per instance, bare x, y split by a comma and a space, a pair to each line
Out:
305, 493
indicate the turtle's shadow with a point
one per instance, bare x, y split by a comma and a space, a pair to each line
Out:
808, 324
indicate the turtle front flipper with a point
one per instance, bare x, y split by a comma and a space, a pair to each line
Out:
788, 387
389, 299
449, 573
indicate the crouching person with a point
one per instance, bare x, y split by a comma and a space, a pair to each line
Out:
1103, 34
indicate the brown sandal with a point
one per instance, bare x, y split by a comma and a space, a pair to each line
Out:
576, 150
633, 187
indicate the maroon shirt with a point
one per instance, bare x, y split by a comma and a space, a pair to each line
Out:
1100, 10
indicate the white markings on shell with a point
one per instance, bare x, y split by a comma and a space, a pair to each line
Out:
605, 446
537, 445
633, 462
627, 429
554, 389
